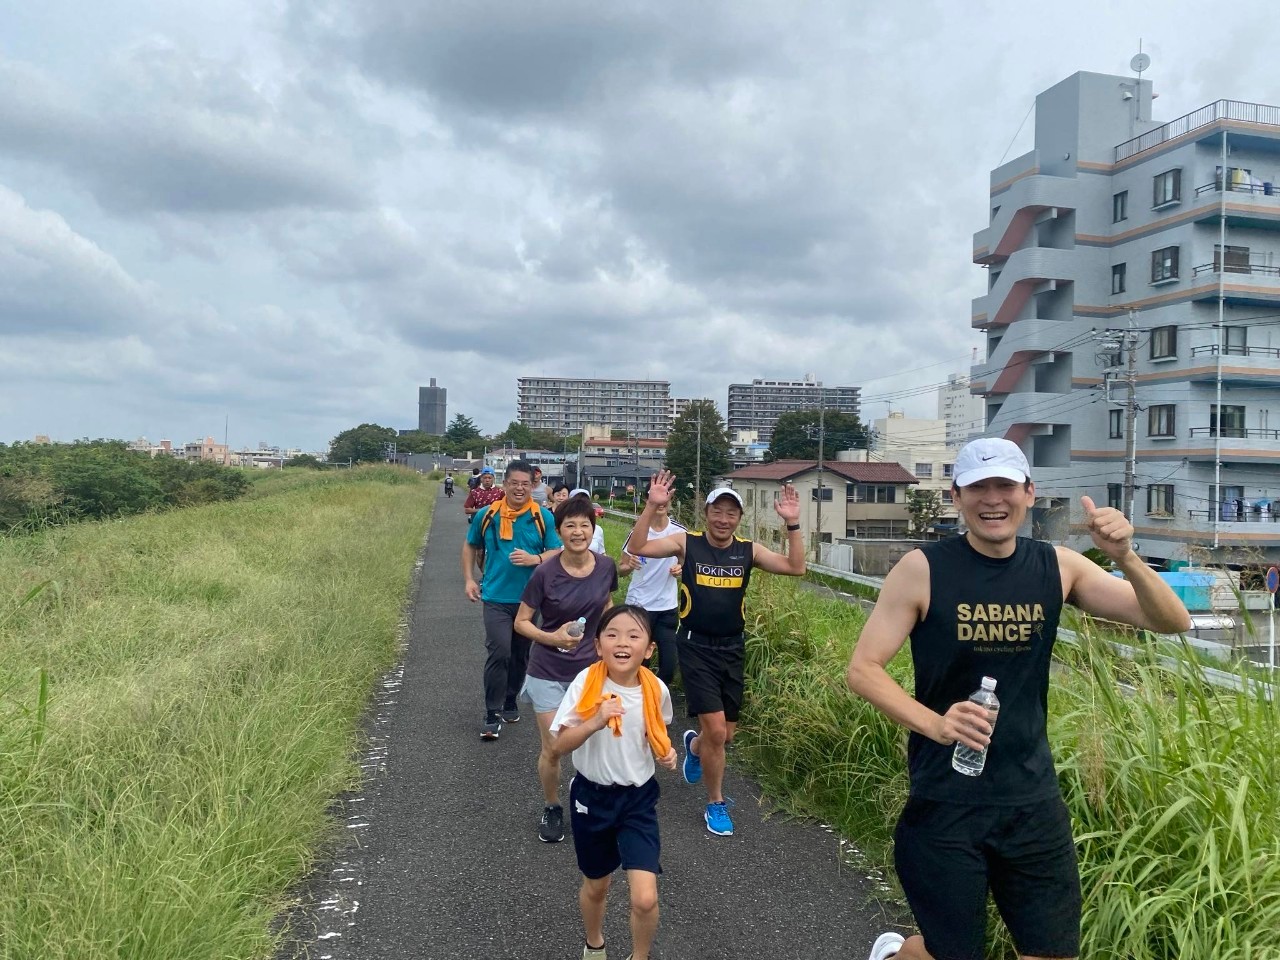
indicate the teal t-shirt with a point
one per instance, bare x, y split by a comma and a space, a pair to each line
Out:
504, 582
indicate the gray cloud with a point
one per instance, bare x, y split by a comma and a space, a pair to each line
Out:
175, 134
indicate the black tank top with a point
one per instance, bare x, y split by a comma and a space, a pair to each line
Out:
995, 618
713, 585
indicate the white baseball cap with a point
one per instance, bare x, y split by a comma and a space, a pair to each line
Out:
719, 492
990, 457
580, 490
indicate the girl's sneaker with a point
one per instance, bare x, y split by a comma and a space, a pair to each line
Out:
594, 953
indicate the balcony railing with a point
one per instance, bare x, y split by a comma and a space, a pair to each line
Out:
1235, 350
1218, 110
1257, 269
1237, 433
1263, 187
1230, 515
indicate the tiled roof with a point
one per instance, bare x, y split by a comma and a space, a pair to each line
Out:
781, 470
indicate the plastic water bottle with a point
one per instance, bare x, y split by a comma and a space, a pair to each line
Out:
575, 630
968, 761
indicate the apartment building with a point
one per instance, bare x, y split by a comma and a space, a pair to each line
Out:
964, 414
920, 447
1168, 235
563, 406
758, 405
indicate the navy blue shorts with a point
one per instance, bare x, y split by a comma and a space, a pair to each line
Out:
614, 826
949, 855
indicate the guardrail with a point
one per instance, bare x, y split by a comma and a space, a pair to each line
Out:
1218, 110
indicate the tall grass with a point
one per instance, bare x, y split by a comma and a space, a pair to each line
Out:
1173, 785
195, 684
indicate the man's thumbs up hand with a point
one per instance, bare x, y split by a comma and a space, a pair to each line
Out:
1111, 532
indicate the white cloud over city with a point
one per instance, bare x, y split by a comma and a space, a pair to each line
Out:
286, 217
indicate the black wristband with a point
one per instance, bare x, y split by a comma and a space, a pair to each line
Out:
792, 527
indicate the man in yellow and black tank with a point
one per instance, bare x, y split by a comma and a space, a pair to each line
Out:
716, 567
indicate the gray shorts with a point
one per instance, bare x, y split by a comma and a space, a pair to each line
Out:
545, 695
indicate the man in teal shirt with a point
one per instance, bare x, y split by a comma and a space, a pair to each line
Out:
514, 534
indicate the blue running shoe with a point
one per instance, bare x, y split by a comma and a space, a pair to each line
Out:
717, 817
692, 766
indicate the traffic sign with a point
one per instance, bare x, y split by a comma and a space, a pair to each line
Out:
1273, 580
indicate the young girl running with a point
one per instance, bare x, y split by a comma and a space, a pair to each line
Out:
613, 719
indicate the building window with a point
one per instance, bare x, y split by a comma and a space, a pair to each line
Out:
1115, 496
1230, 421
947, 499
1160, 420
1164, 264
947, 469
1167, 188
1164, 342
1117, 278
1116, 420
826, 494
924, 471
1160, 499
1120, 206
1235, 341
872, 493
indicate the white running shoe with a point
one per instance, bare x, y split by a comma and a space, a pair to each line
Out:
887, 945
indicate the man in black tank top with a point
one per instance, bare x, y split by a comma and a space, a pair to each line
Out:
987, 604
716, 567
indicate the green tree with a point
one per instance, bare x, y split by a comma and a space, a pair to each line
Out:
924, 507
684, 444
462, 430
363, 444
518, 435
795, 435
415, 441
304, 460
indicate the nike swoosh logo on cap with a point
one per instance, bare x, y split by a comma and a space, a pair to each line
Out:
985, 459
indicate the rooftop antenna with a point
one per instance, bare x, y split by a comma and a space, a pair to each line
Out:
1138, 64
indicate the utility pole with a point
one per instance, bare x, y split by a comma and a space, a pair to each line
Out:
822, 436
1131, 414
697, 470
1113, 341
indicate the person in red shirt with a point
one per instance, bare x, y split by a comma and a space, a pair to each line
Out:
488, 492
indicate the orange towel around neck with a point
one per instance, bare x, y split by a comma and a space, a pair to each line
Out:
508, 515
655, 728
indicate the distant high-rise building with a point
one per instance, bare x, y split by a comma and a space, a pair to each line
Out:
965, 414
640, 408
680, 404
758, 405
432, 416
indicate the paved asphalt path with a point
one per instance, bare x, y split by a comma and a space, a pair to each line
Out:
444, 860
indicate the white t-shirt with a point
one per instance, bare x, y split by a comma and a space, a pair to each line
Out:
604, 758
597, 540
652, 586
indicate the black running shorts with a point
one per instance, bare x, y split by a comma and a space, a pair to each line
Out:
949, 855
712, 672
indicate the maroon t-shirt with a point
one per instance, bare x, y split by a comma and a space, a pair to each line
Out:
562, 598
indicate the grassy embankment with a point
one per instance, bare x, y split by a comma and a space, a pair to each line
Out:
179, 704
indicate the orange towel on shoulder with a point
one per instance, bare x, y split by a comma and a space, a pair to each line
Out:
507, 517
655, 728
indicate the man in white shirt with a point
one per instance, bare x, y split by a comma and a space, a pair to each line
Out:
654, 586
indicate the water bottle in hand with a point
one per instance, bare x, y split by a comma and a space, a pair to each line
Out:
966, 760
576, 630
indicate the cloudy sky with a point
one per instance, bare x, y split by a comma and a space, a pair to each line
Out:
288, 216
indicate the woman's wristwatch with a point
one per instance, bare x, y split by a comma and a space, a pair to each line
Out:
793, 527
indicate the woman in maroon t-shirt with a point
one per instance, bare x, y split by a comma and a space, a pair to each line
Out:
573, 585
